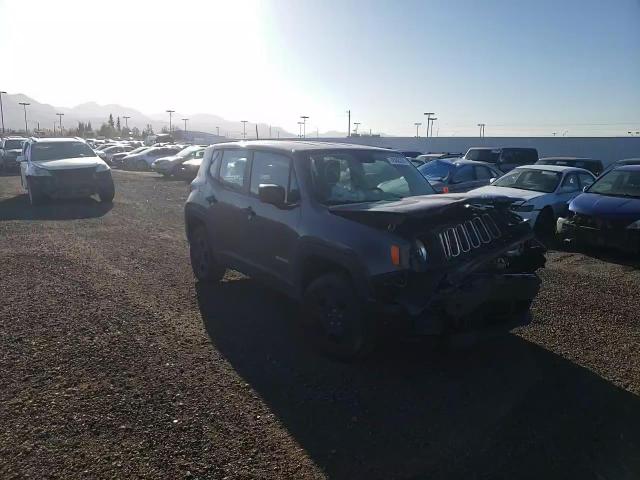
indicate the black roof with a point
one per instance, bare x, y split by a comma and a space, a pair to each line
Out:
296, 145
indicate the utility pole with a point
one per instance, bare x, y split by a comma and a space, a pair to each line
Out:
304, 126
417, 124
257, 137
481, 125
299, 129
126, 123
24, 105
349, 127
428, 114
433, 119
269, 131
60, 115
1, 111
185, 124
170, 112
244, 128
357, 124
218, 131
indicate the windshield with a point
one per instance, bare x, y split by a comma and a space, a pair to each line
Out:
365, 176
59, 150
618, 183
436, 169
13, 144
529, 179
483, 155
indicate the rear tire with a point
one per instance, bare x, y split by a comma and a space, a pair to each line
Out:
204, 265
36, 197
335, 318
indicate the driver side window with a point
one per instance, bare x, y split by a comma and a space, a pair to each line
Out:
464, 174
570, 183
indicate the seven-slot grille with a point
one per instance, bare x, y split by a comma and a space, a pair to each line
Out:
469, 235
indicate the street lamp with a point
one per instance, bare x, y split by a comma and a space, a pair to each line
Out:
1, 111
244, 128
185, 124
170, 112
357, 124
428, 114
218, 131
60, 115
481, 125
417, 124
126, 123
349, 127
304, 126
433, 119
24, 105
299, 129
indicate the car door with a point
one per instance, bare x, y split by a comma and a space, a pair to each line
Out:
273, 230
569, 188
463, 179
229, 209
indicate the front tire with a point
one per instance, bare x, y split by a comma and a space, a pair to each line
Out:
107, 191
204, 265
36, 197
335, 318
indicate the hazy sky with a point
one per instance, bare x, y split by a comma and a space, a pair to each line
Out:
519, 66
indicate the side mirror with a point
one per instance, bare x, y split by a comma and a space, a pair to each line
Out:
273, 194
492, 179
20, 158
585, 188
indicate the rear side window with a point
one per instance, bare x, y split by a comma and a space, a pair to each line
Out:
214, 165
585, 180
483, 173
520, 157
269, 168
464, 174
233, 168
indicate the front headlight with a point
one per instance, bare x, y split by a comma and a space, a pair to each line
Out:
419, 256
103, 167
634, 226
39, 171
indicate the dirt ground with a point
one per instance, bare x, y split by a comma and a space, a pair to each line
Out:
115, 364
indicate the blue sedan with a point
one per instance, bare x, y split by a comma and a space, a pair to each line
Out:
607, 213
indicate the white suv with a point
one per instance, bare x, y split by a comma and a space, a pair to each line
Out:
63, 167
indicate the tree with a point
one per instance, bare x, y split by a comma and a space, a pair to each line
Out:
148, 130
111, 124
118, 125
135, 131
165, 130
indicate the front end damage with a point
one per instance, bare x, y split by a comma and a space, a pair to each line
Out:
480, 274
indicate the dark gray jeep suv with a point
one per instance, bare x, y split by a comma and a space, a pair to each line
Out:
358, 237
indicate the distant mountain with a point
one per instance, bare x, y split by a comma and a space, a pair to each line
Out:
45, 115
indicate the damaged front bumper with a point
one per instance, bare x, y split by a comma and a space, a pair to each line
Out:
599, 235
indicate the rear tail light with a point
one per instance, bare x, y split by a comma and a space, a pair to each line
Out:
445, 189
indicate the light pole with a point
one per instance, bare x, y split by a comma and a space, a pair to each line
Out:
1, 111
428, 114
357, 124
126, 123
481, 125
304, 126
349, 127
299, 129
218, 131
170, 112
185, 124
60, 115
24, 105
244, 128
417, 124
433, 119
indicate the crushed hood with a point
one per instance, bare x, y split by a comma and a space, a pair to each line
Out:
396, 212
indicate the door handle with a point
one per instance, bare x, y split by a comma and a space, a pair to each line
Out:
250, 212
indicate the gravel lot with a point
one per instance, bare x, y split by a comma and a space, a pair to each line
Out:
116, 364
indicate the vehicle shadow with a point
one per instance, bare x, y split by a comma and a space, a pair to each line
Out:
19, 208
608, 255
504, 409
